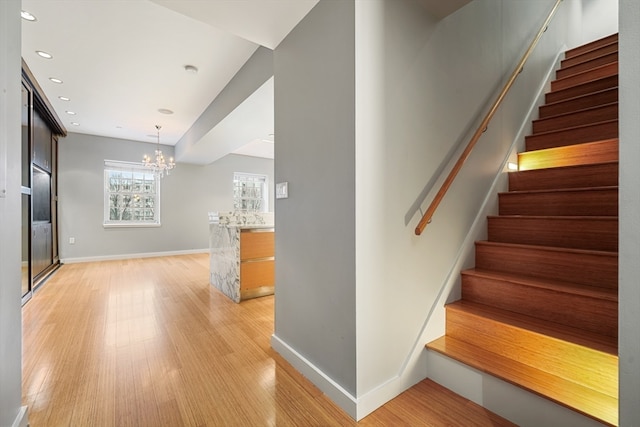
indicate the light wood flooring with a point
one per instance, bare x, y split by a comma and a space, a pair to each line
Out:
148, 342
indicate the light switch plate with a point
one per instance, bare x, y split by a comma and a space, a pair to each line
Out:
282, 190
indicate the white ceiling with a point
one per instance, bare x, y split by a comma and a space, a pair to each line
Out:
123, 60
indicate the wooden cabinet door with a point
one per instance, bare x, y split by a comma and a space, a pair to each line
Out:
41, 143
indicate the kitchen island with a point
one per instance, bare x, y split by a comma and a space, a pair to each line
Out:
242, 254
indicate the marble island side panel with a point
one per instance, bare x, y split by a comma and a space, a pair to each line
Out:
225, 260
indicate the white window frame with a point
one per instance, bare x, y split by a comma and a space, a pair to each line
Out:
251, 177
129, 167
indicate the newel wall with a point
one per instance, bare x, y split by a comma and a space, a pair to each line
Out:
629, 291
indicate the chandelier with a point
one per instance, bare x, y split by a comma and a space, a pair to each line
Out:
159, 166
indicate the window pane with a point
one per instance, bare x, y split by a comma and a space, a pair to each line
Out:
130, 196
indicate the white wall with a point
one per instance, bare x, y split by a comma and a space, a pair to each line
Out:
629, 291
315, 237
11, 412
187, 194
599, 19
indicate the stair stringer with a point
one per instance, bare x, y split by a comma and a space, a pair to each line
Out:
507, 400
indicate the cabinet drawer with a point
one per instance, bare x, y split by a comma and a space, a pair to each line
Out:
257, 274
256, 244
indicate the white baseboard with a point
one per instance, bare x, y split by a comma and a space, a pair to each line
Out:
333, 390
22, 420
507, 400
382, 394
132, 256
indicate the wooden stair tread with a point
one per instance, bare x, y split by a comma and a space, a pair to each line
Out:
585, 267
550, 248
596, 44
572, 176
544, 298
592, 53
585, 76
569, 231
597, 342
579, 102
593, 152
554, 285
565, 392
563, 190
599, 201
591, 132
605, 218
569, 119
573, 128
592, 86
587, 63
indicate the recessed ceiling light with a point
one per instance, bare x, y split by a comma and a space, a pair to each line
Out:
71, 113
64, 98
55, 80
75, 123
191, 69
43, 54
27, 16
165, 111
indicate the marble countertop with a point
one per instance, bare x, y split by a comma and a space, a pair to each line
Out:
242, 220
251, 226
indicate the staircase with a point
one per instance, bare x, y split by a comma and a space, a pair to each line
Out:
540, 309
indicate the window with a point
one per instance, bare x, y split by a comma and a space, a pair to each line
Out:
131, 195
250, 192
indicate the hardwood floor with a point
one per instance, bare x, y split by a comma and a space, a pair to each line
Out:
148, 342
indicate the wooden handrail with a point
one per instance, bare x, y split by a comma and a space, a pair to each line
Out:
426, 218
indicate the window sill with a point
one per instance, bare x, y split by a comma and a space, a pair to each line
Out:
132, 225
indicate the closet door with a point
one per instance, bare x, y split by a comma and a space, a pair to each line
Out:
41, 198
41, 236
26, 192
41, 143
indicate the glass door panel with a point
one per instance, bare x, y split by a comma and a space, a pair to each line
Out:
26, 244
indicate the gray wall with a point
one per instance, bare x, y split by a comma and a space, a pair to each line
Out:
314, 151
187, 194
10, 220
629, 291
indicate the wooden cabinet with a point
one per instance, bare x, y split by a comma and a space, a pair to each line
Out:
41, 244
41, 143
41, 128
257, 262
